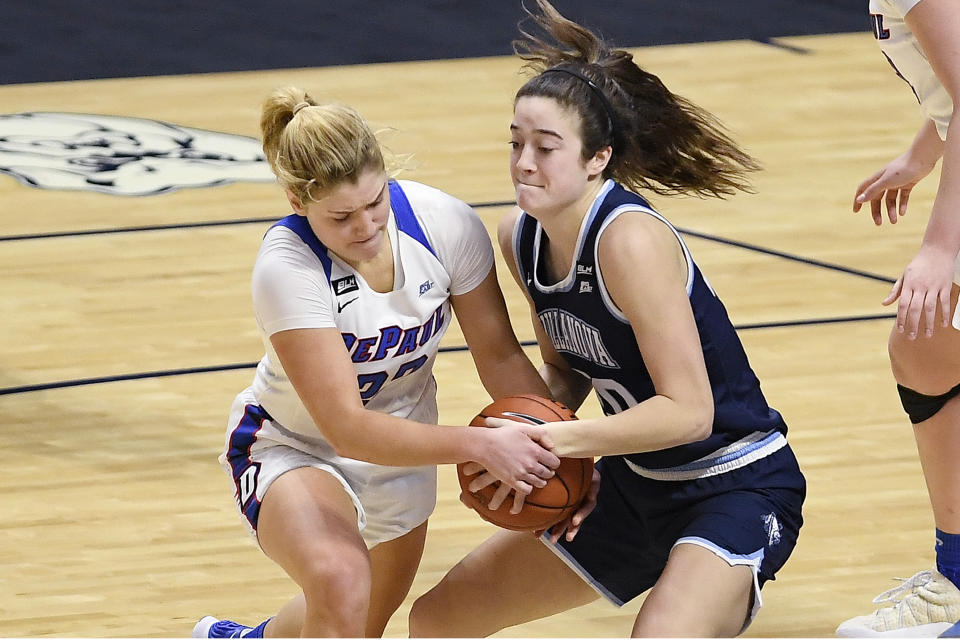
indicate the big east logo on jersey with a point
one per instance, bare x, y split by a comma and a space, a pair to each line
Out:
123, 156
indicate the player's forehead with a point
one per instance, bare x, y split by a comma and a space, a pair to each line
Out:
540, 115
350, 195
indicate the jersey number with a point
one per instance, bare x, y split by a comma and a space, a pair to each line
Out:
614, 397
371, 383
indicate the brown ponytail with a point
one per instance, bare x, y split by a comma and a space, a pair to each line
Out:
661, 141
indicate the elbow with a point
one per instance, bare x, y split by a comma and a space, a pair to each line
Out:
347, 445
701, 423
355, 449
341, 438
344, 448
340, 445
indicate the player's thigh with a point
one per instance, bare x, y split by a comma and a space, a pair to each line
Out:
394, 564
509, 579
930, 366
308, 525
698, 594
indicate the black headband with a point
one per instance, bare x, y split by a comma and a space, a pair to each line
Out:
611, 116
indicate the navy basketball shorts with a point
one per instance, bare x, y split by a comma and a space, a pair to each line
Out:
748, 516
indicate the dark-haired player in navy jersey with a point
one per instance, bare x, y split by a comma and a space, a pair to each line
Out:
700, 494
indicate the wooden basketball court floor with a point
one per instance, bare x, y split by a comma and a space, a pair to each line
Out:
126, 331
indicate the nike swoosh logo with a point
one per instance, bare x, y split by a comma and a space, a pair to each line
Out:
341, 306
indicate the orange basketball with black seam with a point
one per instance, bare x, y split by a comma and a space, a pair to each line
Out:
545, 506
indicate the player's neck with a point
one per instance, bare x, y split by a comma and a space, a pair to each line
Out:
563, 230
378, 271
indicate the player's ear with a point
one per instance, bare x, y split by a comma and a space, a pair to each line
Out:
295, 203
599, 161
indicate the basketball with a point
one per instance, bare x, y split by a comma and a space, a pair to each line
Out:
545, 506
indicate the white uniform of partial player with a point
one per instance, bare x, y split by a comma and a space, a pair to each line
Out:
900, 46
906, 56
440, 248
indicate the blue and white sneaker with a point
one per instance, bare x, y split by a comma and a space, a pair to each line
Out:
210, 627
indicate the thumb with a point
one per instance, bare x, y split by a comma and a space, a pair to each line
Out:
873, 191
894, 293
539, 434
861, 195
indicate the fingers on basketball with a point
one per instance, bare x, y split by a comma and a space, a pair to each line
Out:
544, 506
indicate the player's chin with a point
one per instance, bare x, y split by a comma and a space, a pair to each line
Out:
528, 197
368, 249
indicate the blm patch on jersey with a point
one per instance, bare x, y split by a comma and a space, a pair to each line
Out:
345, 285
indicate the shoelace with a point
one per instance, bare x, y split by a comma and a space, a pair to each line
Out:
909, 584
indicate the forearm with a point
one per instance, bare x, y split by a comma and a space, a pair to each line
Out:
927, 147
503, 367
943, 229
511, 372
654, 424
565, 386
385, 439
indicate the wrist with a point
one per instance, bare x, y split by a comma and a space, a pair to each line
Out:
563, 436
939, 247
475, 445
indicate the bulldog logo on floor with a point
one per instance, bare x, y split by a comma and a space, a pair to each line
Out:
123, 156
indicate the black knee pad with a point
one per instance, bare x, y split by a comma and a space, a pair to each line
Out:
921, 407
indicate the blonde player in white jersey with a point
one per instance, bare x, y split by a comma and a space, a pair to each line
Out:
332, 450
921, 40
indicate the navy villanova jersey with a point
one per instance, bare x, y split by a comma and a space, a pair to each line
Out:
596, 339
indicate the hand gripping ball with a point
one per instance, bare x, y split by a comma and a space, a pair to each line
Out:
545, 506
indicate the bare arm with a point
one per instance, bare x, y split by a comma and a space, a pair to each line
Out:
320, 370
658, 308
927, 281
566, 385
936, 24
503, 367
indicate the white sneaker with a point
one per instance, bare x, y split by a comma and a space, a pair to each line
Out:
202, 628
210, 627
924, 606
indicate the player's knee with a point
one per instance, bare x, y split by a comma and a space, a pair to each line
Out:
667, 624
659, 624
918, 365
924, 388
920, 406
337, 590
436, 614
903, 362
425, 619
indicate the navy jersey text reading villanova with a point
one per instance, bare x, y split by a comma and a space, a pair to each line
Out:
596, 339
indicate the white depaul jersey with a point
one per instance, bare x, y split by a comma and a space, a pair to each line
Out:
440, 248
903, 51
